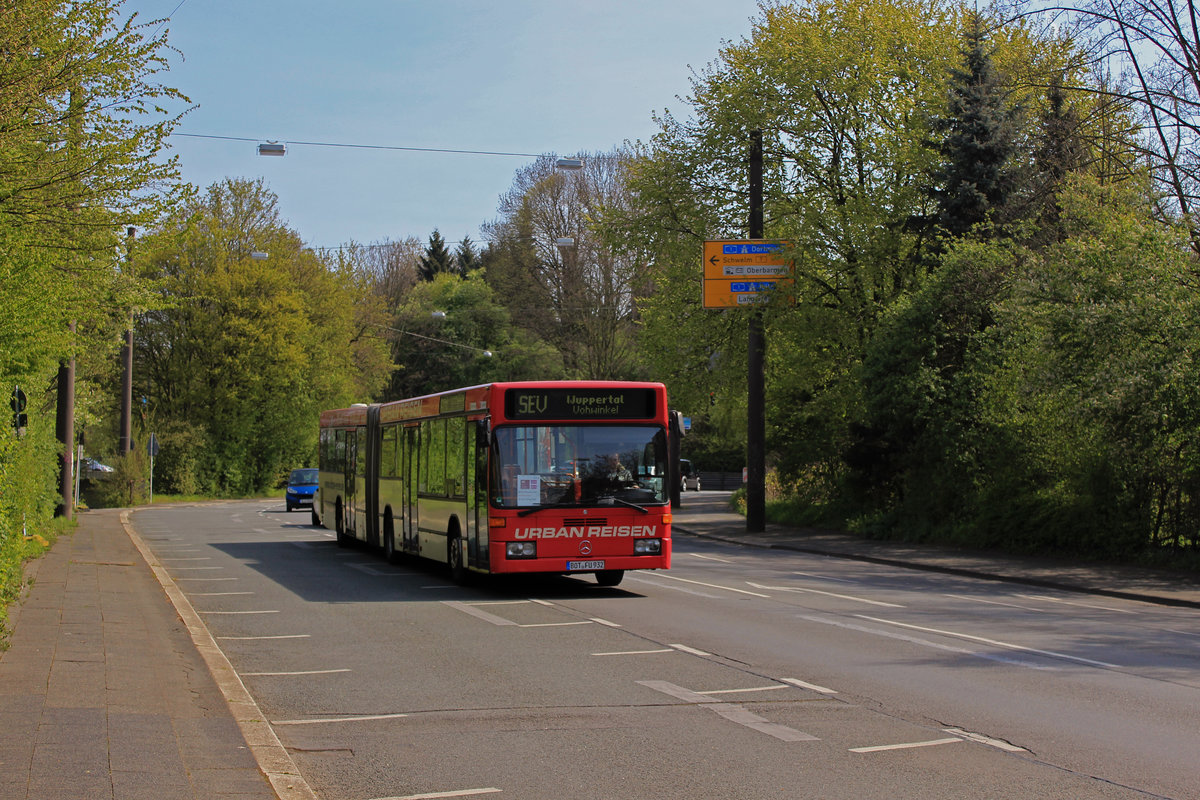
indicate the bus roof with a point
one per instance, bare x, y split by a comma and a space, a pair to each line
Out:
470, 399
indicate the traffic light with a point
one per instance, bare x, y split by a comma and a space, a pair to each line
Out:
17, 403
712, 398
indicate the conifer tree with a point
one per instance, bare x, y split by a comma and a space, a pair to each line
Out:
437, 258
465, 257
1060, 152
978, 139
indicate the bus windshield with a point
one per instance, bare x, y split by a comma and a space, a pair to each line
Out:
578, 465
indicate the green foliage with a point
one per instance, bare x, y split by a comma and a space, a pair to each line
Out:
448, 351
920, 445
1044, 400
83, 124
243, 352
127, 485
28, 496
842, 92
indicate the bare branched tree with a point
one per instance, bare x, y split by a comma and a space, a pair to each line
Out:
390, 266
547, 223
1152, 47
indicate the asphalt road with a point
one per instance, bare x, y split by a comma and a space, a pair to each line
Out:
739, 673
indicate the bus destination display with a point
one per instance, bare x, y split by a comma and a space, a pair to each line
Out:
579, 403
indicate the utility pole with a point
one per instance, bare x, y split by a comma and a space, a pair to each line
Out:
756, 468
64, 419
125, 435
64, 430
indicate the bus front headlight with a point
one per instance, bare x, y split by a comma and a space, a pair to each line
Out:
647, 547
521, 550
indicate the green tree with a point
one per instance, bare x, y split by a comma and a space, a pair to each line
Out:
842, 92
82, 132
1098, 375
245, 351
391, 266
83, 126
471, 341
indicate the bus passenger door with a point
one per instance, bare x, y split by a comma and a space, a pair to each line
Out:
349, 509
477, 496
409, 490
362, 451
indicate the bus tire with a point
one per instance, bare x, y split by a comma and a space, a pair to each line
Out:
339, 526
389, 539
316, 519
609, 577
454, 555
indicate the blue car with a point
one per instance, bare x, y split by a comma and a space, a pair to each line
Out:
301, 486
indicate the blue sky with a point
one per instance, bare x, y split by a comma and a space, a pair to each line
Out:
515, 76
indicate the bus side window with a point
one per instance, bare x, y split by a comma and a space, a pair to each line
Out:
433, 465
424, 441
339, 452
456, 444
387, 453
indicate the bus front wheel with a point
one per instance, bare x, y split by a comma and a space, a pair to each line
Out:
610, 577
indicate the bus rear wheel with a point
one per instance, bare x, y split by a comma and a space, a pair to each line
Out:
610, 577
339, 526
389, 540
454, 557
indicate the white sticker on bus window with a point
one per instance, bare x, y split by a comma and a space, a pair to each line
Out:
529, 490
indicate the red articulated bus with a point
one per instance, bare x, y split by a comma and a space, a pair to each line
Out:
536, 476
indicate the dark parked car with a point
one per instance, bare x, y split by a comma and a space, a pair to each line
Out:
302, 485
689, 476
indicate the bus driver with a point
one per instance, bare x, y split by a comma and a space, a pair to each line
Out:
615, 471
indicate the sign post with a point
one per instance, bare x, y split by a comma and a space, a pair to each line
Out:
742, 274
152, 450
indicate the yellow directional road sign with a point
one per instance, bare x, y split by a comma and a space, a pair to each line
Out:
738, 272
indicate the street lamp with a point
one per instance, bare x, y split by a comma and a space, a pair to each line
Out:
570, 164
272, 149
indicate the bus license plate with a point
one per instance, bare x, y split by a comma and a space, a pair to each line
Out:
579, 565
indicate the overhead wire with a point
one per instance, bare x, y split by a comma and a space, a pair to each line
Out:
365, 146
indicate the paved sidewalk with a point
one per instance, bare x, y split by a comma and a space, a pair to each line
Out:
103, 693
1113, 580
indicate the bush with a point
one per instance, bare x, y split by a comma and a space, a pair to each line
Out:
28, 496
127, 485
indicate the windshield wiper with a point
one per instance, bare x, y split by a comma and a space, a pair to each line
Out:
614, 499
525, 512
